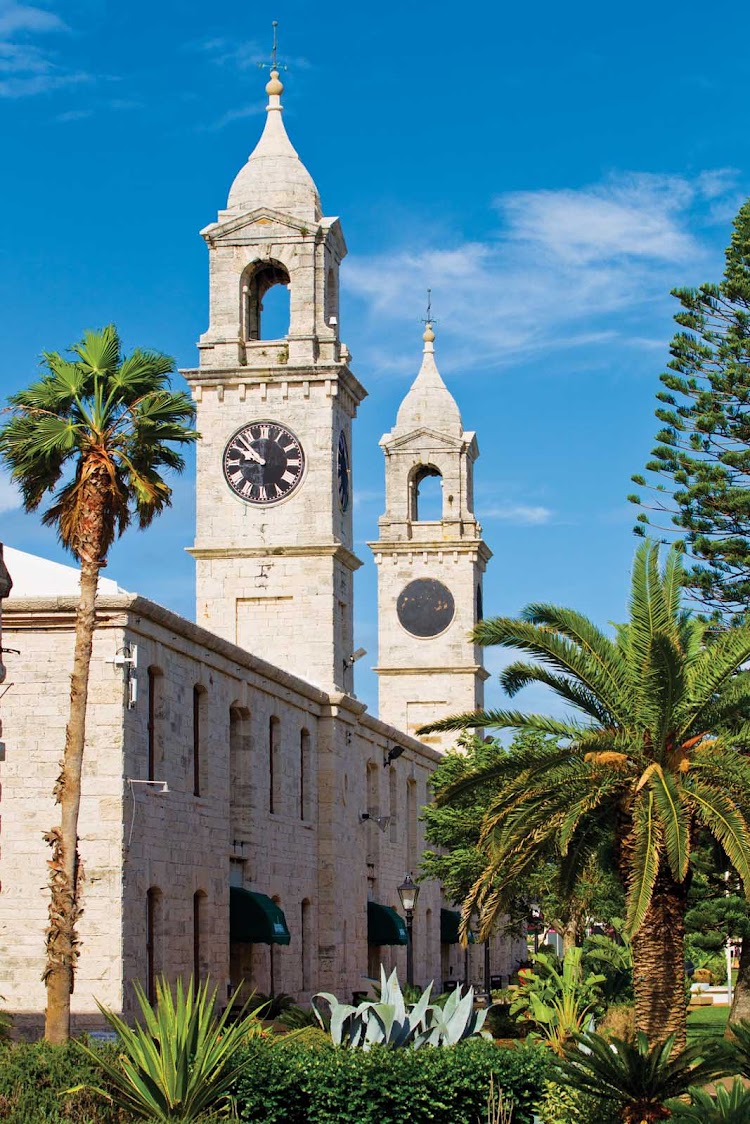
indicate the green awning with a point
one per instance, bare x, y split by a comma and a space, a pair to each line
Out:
450, 920
384, 925
255, 919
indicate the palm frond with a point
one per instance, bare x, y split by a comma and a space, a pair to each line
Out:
675, 821
645, 862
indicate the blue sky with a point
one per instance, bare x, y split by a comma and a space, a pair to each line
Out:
550, 171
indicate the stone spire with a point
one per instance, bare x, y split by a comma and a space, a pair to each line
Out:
274, 175
429, 403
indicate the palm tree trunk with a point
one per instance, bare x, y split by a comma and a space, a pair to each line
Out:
659, 964
65, 870
741, 997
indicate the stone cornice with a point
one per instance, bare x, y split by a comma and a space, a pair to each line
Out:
254, 376
436, 546
313, 550
463, 669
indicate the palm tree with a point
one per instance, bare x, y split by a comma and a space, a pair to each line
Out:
653, 754
98, 427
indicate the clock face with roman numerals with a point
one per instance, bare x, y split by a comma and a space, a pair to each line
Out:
263, 462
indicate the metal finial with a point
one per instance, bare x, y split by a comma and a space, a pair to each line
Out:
274, 63
429, 319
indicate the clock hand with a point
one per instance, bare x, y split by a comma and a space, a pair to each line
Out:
251, 455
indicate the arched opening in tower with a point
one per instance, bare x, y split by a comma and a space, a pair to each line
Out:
265, 295
427, 495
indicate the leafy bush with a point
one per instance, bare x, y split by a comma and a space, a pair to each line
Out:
297, 1085
270, 1007
561, 1105
34, 1077
558, 998
296, 1018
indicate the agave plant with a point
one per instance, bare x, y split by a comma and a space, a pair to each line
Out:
389, 1022
634, 1078
729, 1106
181, 1063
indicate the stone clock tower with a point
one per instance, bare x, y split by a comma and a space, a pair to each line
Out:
273, 546
430, 562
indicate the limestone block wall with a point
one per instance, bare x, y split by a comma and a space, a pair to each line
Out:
284, 774
35, 714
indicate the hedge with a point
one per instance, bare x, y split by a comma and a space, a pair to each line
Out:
292, 1083
33, 1080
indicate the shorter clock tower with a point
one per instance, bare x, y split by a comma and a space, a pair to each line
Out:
430, 562
275, 402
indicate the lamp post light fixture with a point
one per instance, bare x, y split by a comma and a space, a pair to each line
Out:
408, 892
536, 920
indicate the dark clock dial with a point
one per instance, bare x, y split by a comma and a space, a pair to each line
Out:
343, 470
263, 462
425, 607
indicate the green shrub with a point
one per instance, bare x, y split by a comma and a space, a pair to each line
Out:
561, 1105
297, 1085
33, 1080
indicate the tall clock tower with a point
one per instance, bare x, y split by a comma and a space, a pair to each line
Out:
431, 560
273, 545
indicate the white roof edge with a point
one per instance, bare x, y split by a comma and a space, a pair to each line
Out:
35, 577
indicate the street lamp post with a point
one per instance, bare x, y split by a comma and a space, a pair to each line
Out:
408, 892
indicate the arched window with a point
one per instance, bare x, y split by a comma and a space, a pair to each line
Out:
305, 774
274, 771
411, 824
153, 911
480, 606
154, 676
240, 746
332, 299
198, 900
427, 494
265, 301
305, 940
373, 808
199, 708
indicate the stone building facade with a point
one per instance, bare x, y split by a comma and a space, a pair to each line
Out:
243, 816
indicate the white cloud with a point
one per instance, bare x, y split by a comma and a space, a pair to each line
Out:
24, 17
27, 68
567, 270
233, 115
10, 498
518, 513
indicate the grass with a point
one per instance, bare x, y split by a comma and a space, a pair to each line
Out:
707, 1022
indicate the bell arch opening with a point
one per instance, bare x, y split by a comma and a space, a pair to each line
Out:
265, 301
427, 494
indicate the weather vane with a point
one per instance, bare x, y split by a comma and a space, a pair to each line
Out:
429, 318
273, 64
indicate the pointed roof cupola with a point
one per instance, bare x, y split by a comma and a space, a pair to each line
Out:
429, 403
274, 175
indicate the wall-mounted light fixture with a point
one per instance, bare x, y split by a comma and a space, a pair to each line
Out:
391, 754
381, 821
